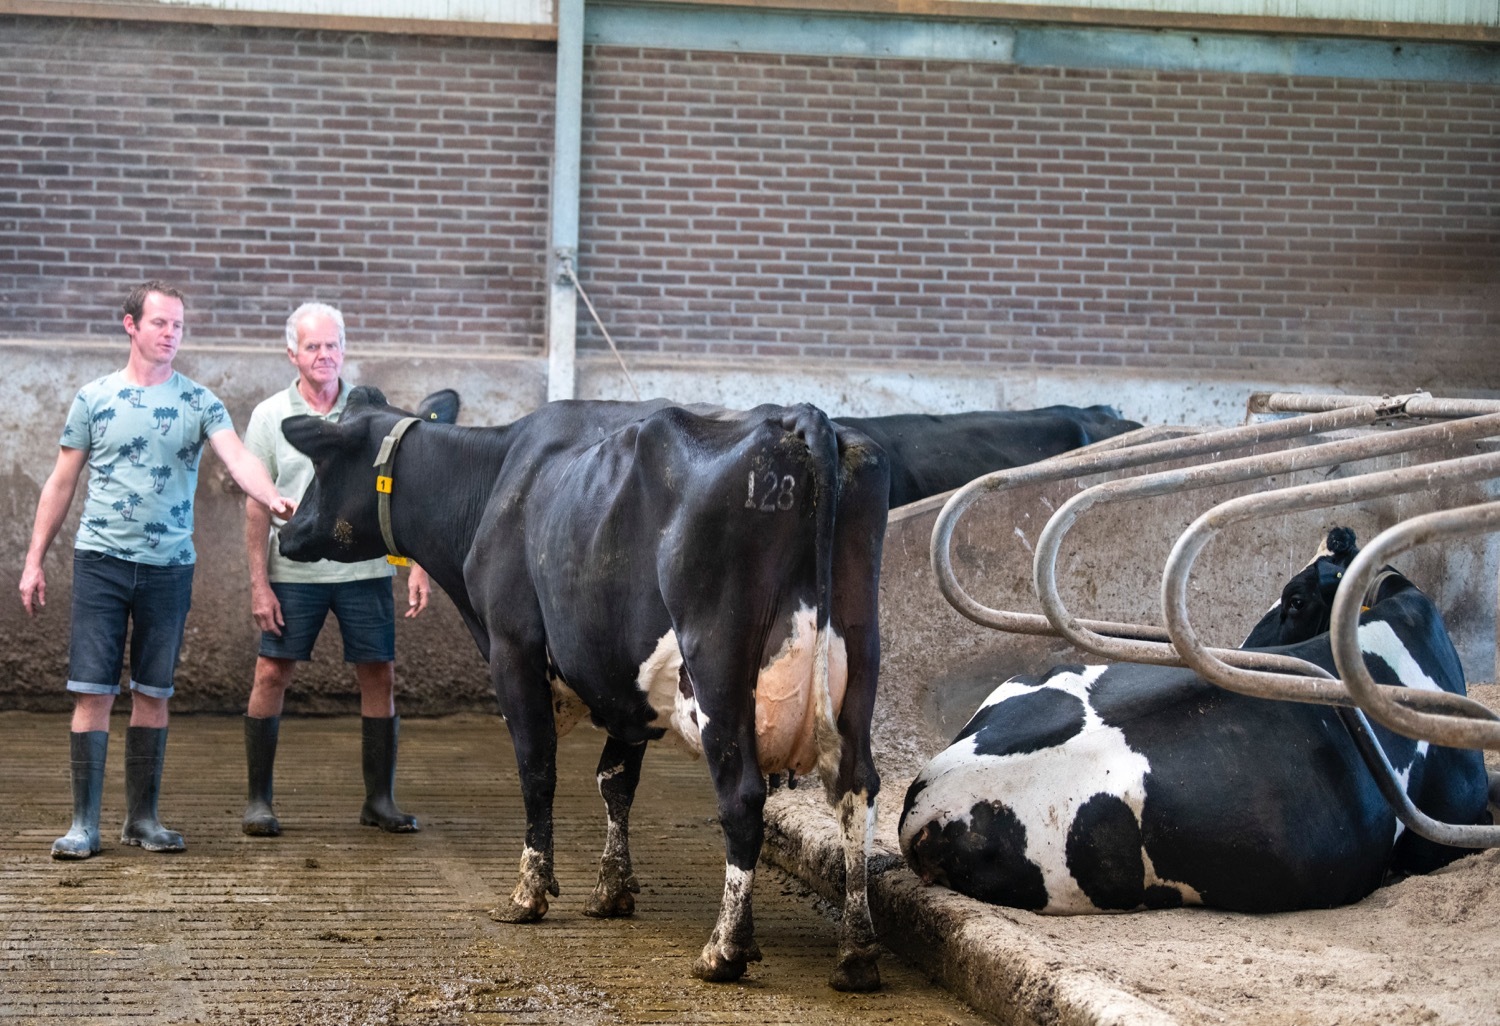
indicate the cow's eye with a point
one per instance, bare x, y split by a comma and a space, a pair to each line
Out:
1295, 605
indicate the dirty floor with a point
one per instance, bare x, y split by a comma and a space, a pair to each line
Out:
335, 923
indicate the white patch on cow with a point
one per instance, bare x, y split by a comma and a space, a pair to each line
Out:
794, 717
534, 881
1378, 639
658, 678
732, 929
616, 841
858, 831
737, 883
1190, 895
567, 707
1043, 789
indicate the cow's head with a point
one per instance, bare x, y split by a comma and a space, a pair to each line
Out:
1307, 599
337, 518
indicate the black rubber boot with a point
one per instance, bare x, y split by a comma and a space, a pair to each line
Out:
145, 748
380, 777
260, 761
89, 749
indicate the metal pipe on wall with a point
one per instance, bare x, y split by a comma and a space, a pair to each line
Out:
562, 305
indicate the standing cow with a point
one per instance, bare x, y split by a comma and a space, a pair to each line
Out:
1121, 787
932, 453
656, 567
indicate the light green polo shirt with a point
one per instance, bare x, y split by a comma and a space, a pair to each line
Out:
293, 472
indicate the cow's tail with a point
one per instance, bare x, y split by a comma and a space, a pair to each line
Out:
817, 432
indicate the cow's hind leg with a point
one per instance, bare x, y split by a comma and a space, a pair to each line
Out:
729, 744
856, 969
528, 713
852, 789
619, 773
846, 761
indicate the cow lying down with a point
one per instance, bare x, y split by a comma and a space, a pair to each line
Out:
932, 453
656, 568
1114, 788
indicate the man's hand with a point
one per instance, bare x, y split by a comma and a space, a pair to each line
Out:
34, 590
266, 609
418, 591
284, 507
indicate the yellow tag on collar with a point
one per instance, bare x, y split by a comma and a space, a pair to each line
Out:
383, 485
398, 561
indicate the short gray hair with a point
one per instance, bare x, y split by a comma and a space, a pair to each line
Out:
309, 310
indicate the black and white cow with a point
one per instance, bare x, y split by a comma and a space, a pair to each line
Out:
658, 568
1306, 602
1114, 788
934, 453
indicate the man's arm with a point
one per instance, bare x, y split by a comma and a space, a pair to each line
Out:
264, 606
51, 509
249, 473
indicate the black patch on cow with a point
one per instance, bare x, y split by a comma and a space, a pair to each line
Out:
1162, 896
1104, 853
1044, 718
1069, 669
915, 788
985, 858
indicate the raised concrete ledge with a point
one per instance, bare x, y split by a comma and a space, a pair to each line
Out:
977, 951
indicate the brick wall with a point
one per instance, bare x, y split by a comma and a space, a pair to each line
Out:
756, 207
403, 177
789, 207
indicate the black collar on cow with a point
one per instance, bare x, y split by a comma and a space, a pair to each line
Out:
385, 459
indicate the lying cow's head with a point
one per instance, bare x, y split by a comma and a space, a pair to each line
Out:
337, 518
1307, 599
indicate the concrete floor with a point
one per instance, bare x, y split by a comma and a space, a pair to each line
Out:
337, 923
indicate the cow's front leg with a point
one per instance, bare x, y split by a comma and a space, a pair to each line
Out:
730, 748
528, 713
619, 773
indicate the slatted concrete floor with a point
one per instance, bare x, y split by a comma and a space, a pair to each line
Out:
337, 923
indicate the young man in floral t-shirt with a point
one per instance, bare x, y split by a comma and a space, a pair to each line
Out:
140, 431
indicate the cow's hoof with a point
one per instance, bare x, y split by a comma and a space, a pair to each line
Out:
609, 906
614, 895
718, 970
857, 975
515, 912
721, 966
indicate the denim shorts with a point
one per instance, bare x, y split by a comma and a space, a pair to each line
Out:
110, 594
366, 612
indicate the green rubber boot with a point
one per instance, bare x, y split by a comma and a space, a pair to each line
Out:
89, 749
260, 761
379, 762
145, 749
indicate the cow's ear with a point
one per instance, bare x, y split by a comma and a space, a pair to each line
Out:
1341, 545
315, 436
365, 395
440, 407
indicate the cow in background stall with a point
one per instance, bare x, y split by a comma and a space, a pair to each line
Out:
1119, 787
654, 567
932, 453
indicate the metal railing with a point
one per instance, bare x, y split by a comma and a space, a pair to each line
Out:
1430, 715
